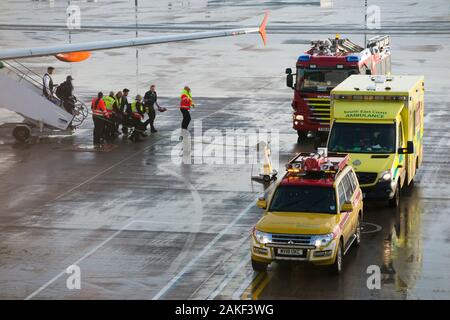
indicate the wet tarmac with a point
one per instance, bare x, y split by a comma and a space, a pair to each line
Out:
142, 226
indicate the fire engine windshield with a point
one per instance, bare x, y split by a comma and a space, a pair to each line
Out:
311, 199
362, 138
322, 79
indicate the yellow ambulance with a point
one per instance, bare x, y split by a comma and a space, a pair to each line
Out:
378, 120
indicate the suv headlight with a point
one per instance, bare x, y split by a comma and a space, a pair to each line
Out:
298, 117
323, 240
386, 176
262, 237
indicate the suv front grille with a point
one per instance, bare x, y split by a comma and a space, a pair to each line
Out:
291, 239
366, 177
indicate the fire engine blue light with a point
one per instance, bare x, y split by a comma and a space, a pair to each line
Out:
353, 58
304, 57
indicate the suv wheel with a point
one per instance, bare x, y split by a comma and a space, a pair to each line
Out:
259, 266
395, 201
358, 233
336, 267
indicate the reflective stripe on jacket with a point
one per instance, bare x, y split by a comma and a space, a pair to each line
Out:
98, 108
186, 100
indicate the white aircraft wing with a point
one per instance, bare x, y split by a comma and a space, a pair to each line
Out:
6, 54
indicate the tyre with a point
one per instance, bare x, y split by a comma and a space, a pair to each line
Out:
267, 178
357, 241
395, 201
259, 266
336, 267
301, 136
21, 133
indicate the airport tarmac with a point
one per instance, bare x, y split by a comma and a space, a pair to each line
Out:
142, 226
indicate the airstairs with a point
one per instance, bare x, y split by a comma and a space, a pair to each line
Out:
21, 92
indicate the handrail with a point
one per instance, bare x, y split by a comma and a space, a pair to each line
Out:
80, 110
23, 75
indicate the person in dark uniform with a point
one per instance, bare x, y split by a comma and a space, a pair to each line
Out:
65, 93
125, 111
150, 99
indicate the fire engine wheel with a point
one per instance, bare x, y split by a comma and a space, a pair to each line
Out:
259, 266
21, 133
395, 201
336, 267
302, 136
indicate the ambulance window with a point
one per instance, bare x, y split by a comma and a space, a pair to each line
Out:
400, 135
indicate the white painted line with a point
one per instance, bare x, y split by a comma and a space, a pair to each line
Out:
79, 260
104, 171
187, 267
191, 223
238, 293
229, 277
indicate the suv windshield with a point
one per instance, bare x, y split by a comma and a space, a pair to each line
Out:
322, 79
304, 199
362, 138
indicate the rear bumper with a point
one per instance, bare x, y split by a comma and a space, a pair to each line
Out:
380, 191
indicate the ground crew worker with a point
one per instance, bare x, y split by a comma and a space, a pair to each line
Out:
109, 124
150, 99
186, 104
117, 114
98, 116
125, 110
48, 85
137, 111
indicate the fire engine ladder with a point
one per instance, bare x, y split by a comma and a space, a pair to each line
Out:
348, 46
21, 91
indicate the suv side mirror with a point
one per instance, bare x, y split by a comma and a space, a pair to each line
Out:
408, 150
288, 71
347, 206
261, 203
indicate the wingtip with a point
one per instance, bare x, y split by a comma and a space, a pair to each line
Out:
262, 28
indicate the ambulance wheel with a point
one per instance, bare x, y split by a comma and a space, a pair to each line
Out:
21, 133
395, 201
259, 266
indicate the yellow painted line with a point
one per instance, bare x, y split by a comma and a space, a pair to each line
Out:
319, 104
247, 294
261, 287
317, 99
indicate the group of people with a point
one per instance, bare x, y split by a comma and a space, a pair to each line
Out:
115, 110
109, 112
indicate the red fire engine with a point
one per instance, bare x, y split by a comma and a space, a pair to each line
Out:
326, 64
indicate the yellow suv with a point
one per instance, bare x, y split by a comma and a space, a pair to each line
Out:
314, 213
